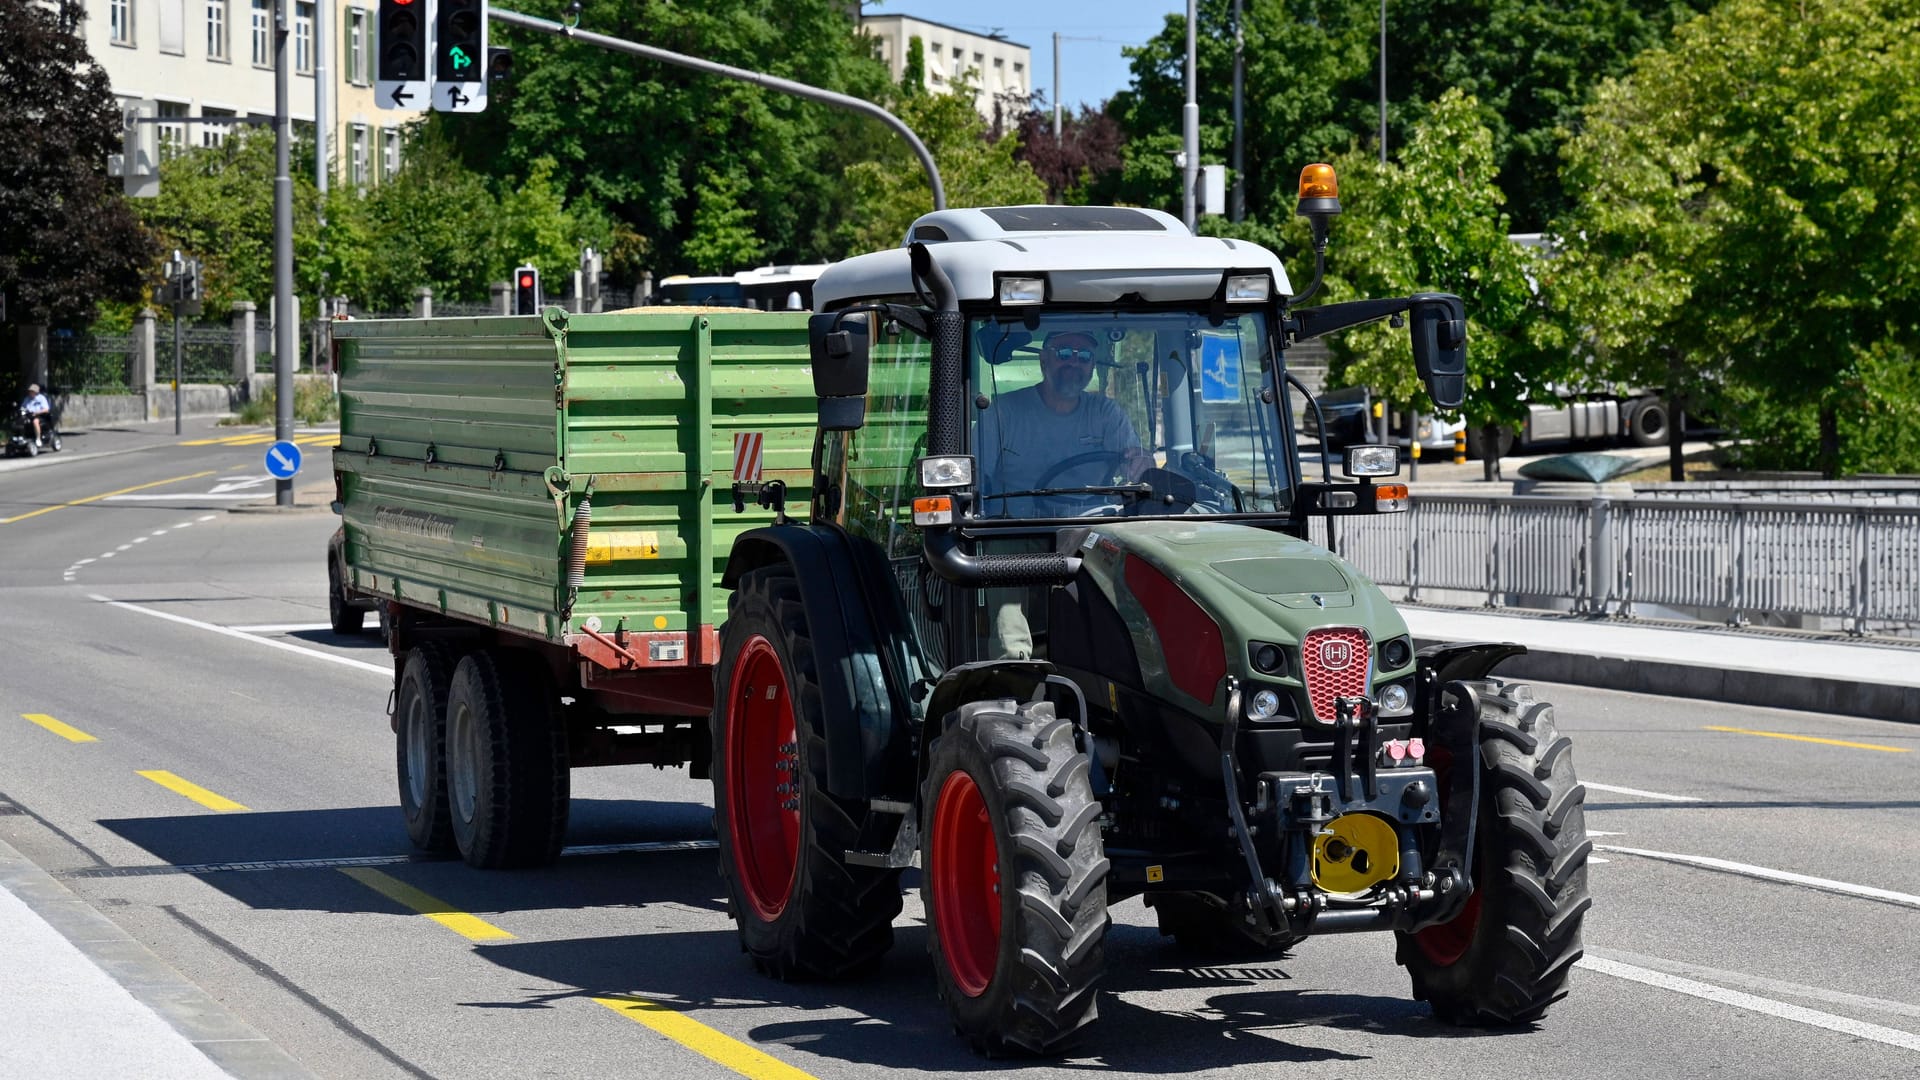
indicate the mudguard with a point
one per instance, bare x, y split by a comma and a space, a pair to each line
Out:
863, 700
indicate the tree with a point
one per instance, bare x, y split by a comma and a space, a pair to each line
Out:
1748, 215
653, 144
1084, 156
68, 241
891, 190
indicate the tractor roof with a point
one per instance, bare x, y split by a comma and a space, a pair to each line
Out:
1090, 254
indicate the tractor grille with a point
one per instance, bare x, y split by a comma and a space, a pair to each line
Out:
1336, 662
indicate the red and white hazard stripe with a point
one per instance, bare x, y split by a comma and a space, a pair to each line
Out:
746, 457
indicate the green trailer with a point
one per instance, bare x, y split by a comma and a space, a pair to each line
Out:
541, 509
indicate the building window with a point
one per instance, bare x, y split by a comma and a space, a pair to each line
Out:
120, 15
357, 46
216, 29
212, 135
1019, 68
262, 34
357, 156
303, 38
389, 154
173, 137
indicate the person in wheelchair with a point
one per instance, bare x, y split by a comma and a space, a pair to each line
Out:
1054, 436
39, 412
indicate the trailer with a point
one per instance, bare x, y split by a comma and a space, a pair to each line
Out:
543, 506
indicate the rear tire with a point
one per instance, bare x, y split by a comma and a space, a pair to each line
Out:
1478, 445
1648, 425
801, 909
1207, 928
1506, 957
1015, 878
507, 779
420, 746
341, 614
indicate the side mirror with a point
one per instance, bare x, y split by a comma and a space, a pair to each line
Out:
1438, 326
841, 345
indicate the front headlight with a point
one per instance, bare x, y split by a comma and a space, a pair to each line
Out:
1394, 700
1264, 705
1372, 460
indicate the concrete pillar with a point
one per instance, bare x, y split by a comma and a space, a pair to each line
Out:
502, 294
32, 339
140, 375
242, 317
423, 303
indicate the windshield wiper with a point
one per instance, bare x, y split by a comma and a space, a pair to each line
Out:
1139, 491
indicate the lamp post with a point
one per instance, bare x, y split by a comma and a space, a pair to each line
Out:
1383, 82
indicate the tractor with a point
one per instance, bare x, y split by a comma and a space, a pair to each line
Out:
1052, 630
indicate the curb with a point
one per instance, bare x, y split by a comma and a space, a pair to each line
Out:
227, 1042
1873, 701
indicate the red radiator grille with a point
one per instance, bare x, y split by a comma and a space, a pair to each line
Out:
1336, 662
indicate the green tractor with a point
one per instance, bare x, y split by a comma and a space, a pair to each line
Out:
1053, 631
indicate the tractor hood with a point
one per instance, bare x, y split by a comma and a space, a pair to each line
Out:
1170, 579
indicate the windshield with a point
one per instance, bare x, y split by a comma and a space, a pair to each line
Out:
1097, 413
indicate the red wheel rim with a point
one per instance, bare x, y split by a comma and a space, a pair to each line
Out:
966, 884
1445, 943
763, 779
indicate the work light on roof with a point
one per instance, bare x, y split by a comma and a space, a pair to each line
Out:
1249, 288
1022, 290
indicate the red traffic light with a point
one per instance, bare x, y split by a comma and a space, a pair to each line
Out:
526, 281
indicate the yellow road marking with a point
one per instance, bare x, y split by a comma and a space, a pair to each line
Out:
71, 734
703, 1040
97, 498
1811, 739
191, 790
467, 926
323, 437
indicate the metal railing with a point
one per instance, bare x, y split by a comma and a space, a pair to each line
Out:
1733, 560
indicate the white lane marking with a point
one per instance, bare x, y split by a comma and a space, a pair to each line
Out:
141, 539
1594, 860
1760, 982
1785, 877
158, 532
291, 628
315, 654
106, 554
184, 525
1597, 832
123, 547
83, 562
1859, 1029
1591, 786
206, 517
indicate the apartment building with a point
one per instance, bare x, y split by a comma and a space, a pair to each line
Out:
1000, 71
214, 58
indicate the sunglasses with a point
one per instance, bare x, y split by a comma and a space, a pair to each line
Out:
1076, 355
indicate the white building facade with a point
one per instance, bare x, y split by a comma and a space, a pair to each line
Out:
1000, 71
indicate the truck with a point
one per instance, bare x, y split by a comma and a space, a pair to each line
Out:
1622, 416
1050, 683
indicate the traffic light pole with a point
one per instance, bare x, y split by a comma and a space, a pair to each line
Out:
771, 82
176, 369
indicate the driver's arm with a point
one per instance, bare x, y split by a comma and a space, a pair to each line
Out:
1120, 433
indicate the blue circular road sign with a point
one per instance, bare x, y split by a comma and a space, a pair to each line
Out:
283, 459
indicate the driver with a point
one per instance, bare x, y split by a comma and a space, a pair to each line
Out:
1025, 435
37, 407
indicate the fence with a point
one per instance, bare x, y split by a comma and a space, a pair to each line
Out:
82, 363
1783, 563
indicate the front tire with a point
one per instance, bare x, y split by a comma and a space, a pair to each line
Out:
801, 909
1648, 426
420, 746
507, 779
1015, 880
1506, 957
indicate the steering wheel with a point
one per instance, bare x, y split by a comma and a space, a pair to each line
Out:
1077, 460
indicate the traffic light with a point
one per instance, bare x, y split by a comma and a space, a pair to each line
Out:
460, 55
499, 63
403, 54
526, 291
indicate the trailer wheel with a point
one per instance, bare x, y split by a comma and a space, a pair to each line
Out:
1478, 446
1506, 957
507, 779
1014, 878
801, 909
420, 745
1206, 927
342, 615
1648, 424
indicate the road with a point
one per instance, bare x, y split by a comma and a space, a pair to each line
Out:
185, 746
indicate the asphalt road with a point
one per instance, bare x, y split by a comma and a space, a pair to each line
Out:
234, 810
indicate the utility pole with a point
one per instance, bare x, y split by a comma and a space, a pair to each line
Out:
1056, 87
322, 122
1383, 82
1237, 206
284, 317
1190, 126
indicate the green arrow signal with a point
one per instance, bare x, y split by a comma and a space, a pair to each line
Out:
460, 58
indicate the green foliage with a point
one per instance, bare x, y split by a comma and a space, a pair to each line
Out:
1747, 217
68, 240
667, 151
890, 190
913, 76
314, 402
